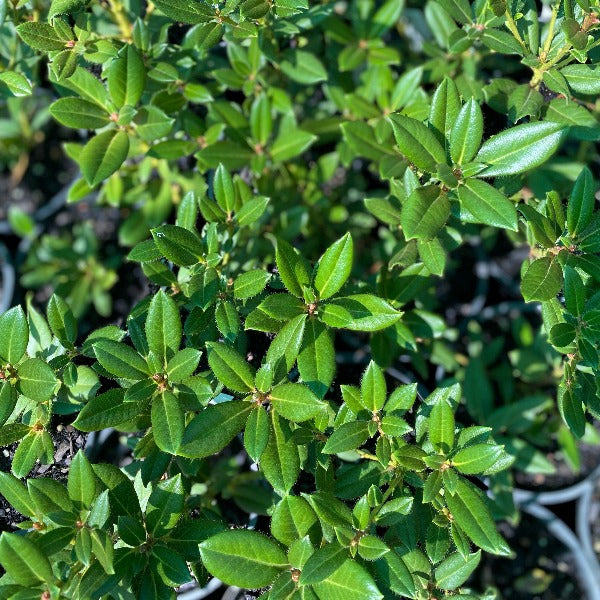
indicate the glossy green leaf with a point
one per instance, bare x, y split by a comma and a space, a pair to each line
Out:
280, 462
106, 410
351, 581
81, 483
250, 284
583, 79
183, 364
62, 321
230, 368
373, 388
520, 148
323, 563
243, 558
581, 202
15, 492
185, 11
256, 433
473, 516
477, 458
316, 359
292, 519
467, 132
445, 107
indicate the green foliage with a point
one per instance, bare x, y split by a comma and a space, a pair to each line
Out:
294, 179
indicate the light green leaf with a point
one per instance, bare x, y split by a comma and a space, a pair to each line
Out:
316, 360
40, 36
81, 483
224, 190
482, 203
106, 410
295, 402
280, 462
455, 570
183, 364
230, 368
418, 143
79, 113
250, 284
36, 379
163, 327
441, 426
473, 517
289, 144
322, 563
103, 155
477, 458
256, 433
120, 360
348, 436
62, 321
23, 560
360, 312
351, 581
581, 202
186, 11
168, 422
292, 267
373, 389
15, 335
542, 280
303, 67
178, 244
583, 79
424, 213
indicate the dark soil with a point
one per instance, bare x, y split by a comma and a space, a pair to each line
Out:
541, 570
67, 441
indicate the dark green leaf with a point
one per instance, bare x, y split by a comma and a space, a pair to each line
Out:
212, 429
